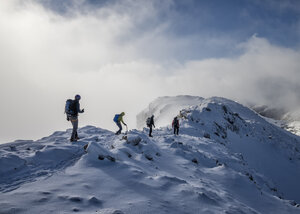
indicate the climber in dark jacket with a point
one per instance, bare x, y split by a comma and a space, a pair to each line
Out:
74, 117
175, 125
151, 123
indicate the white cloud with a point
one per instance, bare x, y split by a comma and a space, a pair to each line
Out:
117, 64
264, 74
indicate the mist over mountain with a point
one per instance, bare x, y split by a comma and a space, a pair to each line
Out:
226, 159
119, 55
236, 64
166, 108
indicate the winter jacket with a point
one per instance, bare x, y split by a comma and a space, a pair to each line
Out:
152, 121
77, 108
175, 122
120, 118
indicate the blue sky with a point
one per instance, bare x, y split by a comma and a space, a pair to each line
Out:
233, 21
121, 54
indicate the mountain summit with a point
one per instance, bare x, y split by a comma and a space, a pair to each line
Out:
226, 159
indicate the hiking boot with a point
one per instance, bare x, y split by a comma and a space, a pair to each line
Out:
73, 140
150, 136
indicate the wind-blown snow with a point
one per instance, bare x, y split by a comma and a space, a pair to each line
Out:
227, 159
165, 109
289, 120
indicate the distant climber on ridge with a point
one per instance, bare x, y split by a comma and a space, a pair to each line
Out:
118, 119
72, 109
150, 123
175, 125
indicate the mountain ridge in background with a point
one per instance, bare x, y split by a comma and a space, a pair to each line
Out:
227, 159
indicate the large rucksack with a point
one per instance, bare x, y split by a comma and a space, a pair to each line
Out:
148, 122
175, 122
116, 118
70, 107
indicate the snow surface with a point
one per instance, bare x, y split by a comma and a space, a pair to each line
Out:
227, 159
165, 109
289, 120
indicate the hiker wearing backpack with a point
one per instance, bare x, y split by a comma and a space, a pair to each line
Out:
150, 123
118, 119
72, 109
175, 125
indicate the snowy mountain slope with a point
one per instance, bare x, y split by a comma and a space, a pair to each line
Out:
289, 121
293, 127
227, 159
292, 122
263, 146
165, 108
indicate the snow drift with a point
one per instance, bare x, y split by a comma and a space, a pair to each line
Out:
165, 109
227, 159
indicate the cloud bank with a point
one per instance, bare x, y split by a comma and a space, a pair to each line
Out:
121, 56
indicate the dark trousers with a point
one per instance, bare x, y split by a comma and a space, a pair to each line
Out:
120, 127
176, 130
150, 131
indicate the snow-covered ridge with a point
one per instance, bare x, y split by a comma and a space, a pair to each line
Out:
165, 108
245, 132
289, 121
227, 159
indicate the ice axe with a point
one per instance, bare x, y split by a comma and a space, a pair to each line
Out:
126, 129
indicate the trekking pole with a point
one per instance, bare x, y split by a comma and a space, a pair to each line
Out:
126, 130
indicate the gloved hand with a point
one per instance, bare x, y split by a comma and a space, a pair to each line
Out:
68, 118
82, 110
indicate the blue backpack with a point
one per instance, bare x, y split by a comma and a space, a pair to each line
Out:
70, 107
116, 118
